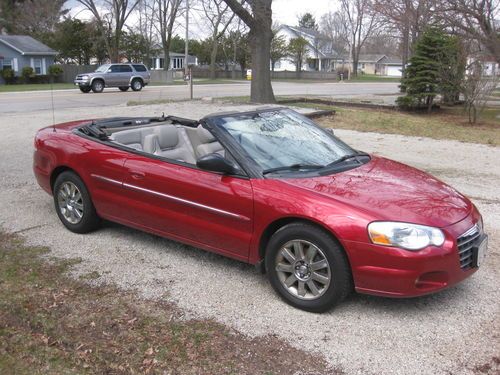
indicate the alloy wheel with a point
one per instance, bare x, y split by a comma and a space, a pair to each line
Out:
70, 202
303, 269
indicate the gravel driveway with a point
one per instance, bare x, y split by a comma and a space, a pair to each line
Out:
456, 331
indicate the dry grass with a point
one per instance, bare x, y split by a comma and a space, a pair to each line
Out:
52, 324
445, 124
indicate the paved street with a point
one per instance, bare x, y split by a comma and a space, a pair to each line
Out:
63, 99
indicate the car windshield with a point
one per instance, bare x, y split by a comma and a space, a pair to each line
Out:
284, 140
102, 68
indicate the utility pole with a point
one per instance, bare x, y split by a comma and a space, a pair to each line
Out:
186, 44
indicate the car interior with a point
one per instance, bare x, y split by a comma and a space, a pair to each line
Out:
177, 142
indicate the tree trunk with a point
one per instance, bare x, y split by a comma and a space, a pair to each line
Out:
261, 89
213, 59
166, 52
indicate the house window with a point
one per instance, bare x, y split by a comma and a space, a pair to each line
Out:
38, 66
177, 63
6, 64
162, 63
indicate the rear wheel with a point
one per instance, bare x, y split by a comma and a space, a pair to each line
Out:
73, 204
307, 267
85, 89
137, 84
97, 86
123, 88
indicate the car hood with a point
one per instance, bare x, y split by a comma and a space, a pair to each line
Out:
388, 190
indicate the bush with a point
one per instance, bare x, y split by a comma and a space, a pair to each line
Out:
7, 75
55, 70
27, 73
406, 103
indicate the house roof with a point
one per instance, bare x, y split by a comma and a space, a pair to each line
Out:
316, 36
391, 60
26, 45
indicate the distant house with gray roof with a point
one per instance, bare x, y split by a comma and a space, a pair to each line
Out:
18, 51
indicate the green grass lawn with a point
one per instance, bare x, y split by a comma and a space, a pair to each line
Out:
53, 324
36, 87
448, 123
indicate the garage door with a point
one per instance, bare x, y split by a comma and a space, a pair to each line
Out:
394, 71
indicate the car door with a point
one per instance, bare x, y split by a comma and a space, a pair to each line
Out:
125, 74
198, 207
112, 76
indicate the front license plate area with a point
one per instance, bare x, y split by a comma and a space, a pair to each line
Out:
480, 252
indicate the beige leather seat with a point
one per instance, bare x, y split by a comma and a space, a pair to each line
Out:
207, 143
133, 138
170, 142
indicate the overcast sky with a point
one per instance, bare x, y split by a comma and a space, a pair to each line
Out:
284, 11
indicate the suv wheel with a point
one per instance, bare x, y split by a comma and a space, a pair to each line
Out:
123, 88
97, 86
137, 84
85, 89
307, 267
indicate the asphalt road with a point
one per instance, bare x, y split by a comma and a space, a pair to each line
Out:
64, 99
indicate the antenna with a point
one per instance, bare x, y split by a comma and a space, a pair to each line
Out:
52, 99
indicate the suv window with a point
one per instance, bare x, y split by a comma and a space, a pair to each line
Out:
125, 68
139, 68
114, 69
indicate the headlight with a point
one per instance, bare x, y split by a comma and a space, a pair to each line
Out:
404, 235
84, 77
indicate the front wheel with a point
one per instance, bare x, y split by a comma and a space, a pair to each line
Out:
85, 89
307, 267
97, 86
73, 204
137, 85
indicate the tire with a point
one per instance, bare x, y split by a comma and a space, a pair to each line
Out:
324, 285
136, 84
97, 85
73, 204
123, 88
85, 89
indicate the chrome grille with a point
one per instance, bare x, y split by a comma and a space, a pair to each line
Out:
466, 244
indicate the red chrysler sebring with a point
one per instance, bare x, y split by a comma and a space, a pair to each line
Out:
271, 188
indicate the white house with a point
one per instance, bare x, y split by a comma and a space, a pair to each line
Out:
320, 52
176, 61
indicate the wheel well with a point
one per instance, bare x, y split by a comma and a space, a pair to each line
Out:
97, 79
56, 172
280, 223
137, 78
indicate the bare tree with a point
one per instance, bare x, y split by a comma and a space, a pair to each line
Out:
111, 16
408, 18
475, 19
258, 17
477, 89
146, 27
332, 25
164, 19
219, 17
358, 22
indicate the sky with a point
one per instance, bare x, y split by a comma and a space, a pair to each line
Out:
284, 12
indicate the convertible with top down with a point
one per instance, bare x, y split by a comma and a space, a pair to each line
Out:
271, 188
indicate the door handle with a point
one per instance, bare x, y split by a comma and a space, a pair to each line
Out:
137, 175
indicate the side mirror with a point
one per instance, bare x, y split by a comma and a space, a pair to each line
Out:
216, 163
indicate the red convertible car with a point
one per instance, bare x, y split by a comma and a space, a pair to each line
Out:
271, 188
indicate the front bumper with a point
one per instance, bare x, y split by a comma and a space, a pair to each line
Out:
82, 82
393, 272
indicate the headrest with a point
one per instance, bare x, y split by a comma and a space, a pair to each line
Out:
167, 136
204, 135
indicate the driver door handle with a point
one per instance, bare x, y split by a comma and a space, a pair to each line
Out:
137, 175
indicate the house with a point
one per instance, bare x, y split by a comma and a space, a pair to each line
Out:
18, 51
176, 61
320, 52
382, 65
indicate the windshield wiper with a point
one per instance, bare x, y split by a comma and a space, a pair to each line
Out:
293, 167
347, 157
